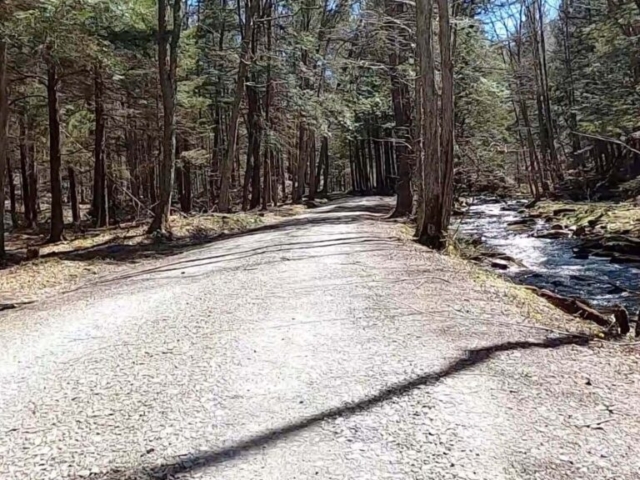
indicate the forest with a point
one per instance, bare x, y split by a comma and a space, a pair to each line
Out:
112, 110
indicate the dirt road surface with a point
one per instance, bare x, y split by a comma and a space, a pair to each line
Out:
321, 347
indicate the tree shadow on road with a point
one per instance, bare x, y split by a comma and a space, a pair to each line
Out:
209, 458
363, 242
112, 250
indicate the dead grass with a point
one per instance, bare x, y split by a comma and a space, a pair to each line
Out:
518, 299
515, 300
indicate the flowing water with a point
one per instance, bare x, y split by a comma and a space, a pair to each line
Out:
550, 263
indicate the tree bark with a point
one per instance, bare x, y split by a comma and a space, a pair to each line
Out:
4, 123
187, 203
352, 169
283, 176
266, 194
303, 161
55, 153
24, 175
248, 170
430, 226
73, 194
371, 161
324, 159
230, 155
99, 199
311, 148
401, 99
12, 195
364, 166
168, 42
375, 143
32, 173
255, 153
446, 111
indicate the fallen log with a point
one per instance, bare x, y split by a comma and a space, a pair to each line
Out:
573, 306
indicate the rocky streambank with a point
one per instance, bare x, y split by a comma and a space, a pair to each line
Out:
583, 258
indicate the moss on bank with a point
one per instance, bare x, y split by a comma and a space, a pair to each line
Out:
601, 217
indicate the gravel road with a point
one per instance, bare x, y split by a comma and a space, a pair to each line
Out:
322, 347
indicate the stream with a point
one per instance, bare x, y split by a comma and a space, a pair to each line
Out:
549, 263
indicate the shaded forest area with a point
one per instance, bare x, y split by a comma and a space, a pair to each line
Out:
119, 110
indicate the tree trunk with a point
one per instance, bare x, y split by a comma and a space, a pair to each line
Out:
24, 175
230, 155
402, 113
4, 123
266, 197
180, 185
12, 195
32, 173
555, 165
352, 169
187, 204
270, 183
254, 124
153, 189
248, 170
215, 160
255, 174
371, 161
55, 153
388, 168
183, 179
319, 165
446, 111
324, 159
168, 42
375, 143
302, 163
131, 156
364, 165
73, 193
283, 177
430, 227
311, 153
99, 199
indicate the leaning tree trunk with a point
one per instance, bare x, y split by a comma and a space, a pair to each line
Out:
55, 152
167, 68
